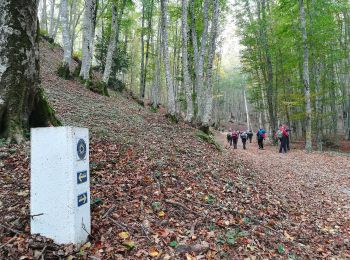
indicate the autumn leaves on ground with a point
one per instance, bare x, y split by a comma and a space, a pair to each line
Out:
159, 191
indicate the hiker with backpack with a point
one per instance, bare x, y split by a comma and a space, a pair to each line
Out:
260, 135
229, 137
282, 134
234, 139
288, 136
244, 138
250, 135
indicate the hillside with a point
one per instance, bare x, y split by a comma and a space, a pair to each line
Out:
174, 194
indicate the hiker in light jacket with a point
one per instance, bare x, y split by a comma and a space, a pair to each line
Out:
244, 138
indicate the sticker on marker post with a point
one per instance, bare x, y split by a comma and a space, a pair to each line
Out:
82, 199
81, 149
81, 177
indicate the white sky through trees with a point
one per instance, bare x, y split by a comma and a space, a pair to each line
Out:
231, 47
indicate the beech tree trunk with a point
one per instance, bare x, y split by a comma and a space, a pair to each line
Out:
246, 110
201, 89
156, 81
87, 35
65, 36
54, 32
199, 54
269, 70
113, 41
74, 21
166, 58
208, 95
92, 31
52, 17
306, 77
43, 22
142, 70
22, 104
149, 35
111, 46
186, 75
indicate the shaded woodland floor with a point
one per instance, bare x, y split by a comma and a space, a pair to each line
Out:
158, 191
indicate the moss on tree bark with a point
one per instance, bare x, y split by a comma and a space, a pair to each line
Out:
22, 101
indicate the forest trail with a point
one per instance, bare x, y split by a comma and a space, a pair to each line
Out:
314, 185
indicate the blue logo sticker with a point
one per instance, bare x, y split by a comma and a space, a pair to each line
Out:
81, 177
81, 149
82, 199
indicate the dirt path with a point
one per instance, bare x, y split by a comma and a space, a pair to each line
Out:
315, 187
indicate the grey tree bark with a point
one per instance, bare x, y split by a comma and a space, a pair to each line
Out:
43, 22
147, 14
208, 95
92, 31
246, 109
195, 45
87, 31
166, 59
201, 87
56, 24
52, 17
306, 78
65, 36
186, 75
142, 70
74, 17
269, 69
22, 104
156, 81
149, 36
111, 46
199, 54
113, 41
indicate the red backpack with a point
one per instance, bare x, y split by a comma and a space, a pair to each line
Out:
234, 135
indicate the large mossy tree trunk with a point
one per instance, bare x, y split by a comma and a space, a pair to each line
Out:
208, 91
22, 104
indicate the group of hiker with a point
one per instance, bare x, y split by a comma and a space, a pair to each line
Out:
282, 134
233, 136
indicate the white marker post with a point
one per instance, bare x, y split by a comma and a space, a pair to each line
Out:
60, 184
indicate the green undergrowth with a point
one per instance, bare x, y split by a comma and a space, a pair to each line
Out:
153, 109
63, 72
209, 138
173, 119
96, 86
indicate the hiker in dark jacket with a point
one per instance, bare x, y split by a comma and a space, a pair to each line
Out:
229, 137
244, 138
260, 135
288, 136
282, 134
234, 139
250, 135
